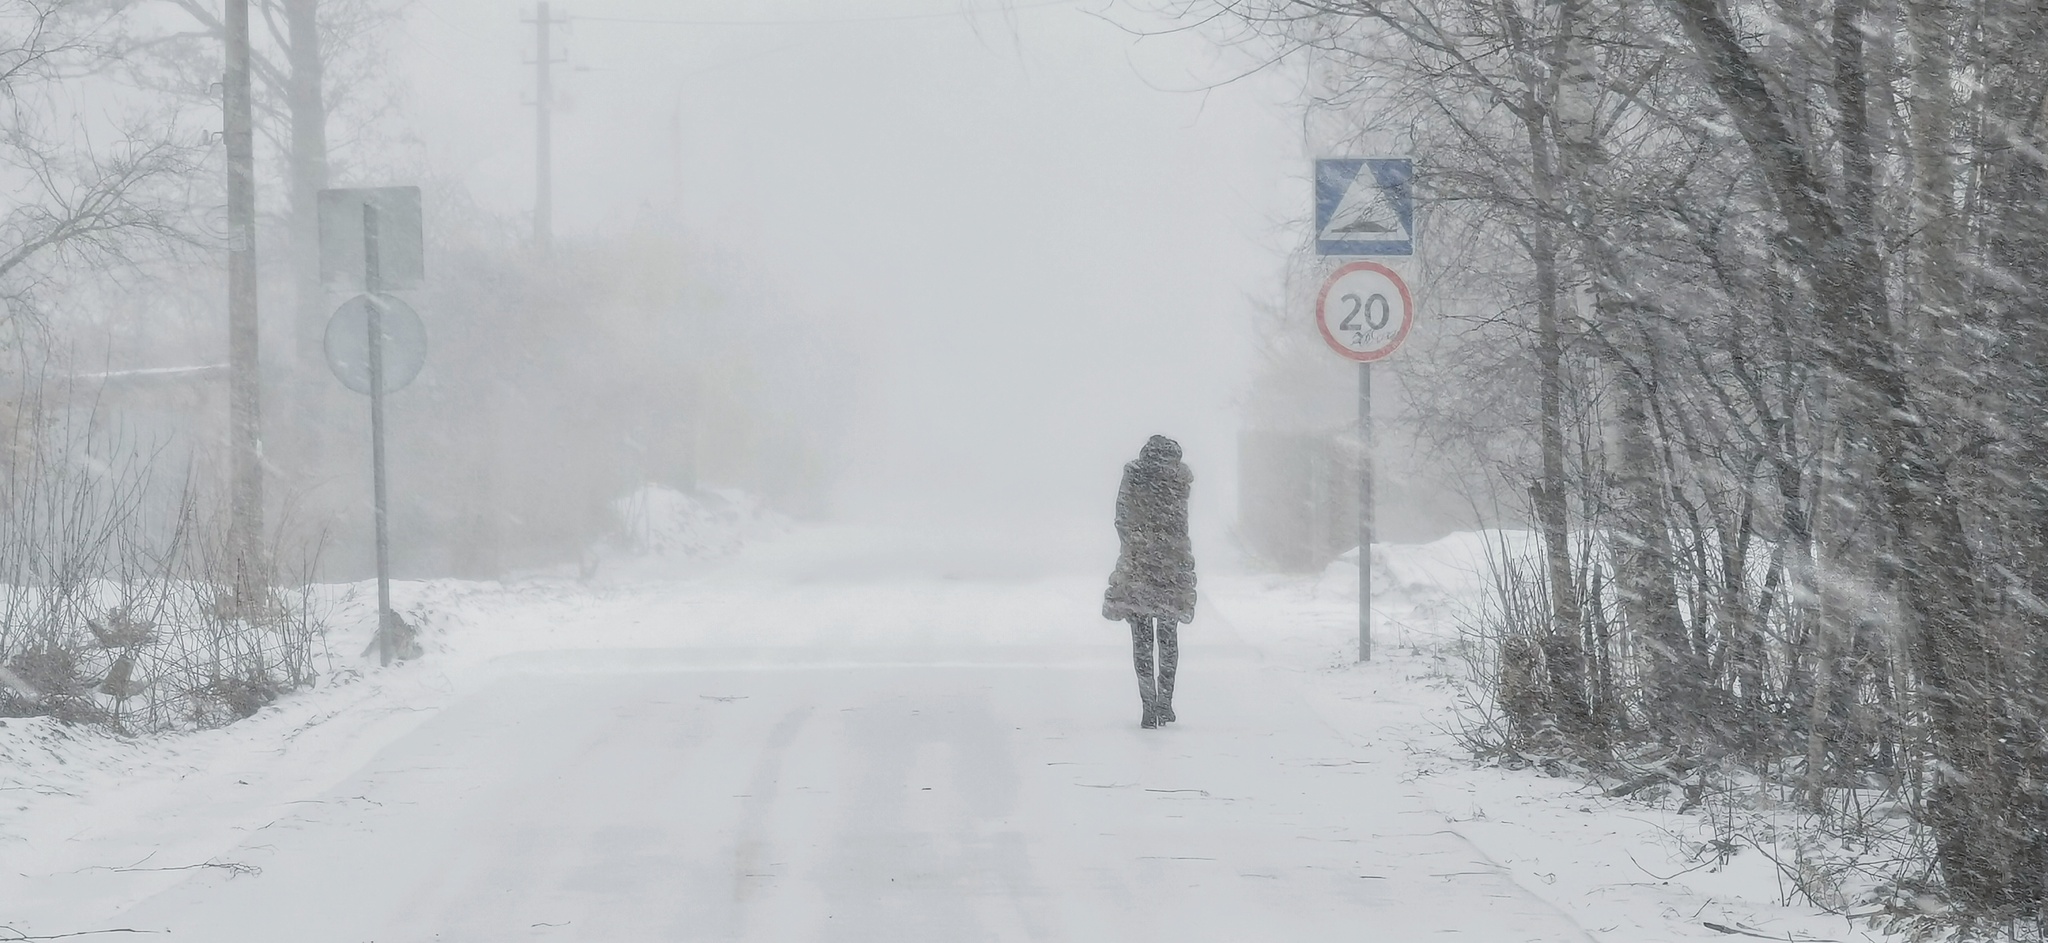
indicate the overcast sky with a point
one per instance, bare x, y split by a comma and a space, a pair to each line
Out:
1042, 232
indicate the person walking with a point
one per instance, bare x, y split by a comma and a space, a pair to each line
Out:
1153, 585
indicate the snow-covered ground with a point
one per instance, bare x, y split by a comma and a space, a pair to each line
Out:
846, 734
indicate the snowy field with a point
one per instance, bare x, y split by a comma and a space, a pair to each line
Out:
842, 734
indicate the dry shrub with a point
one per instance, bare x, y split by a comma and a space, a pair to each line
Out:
117, 589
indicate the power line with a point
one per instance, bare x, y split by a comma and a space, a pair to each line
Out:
950, 14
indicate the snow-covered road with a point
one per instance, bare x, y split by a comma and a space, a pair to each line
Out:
846, 735
983, 794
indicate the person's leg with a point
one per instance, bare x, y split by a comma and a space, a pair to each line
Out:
1169, 660
1141, 658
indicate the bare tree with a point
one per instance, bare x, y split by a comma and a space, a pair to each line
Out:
313, 62
1776, 269
85, 191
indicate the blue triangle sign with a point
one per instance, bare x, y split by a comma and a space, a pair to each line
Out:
1365, 206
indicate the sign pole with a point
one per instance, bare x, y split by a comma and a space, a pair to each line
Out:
393, 344
372, 284
1365, 515
1365, 312
1365, 209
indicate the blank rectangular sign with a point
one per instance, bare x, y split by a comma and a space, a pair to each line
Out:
401, 256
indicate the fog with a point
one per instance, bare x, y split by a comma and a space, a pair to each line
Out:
776, 414
1035, 235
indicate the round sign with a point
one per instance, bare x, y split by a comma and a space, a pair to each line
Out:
348, 342
1365, 311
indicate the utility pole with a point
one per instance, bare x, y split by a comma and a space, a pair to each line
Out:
543, 130
245, 395
309, 423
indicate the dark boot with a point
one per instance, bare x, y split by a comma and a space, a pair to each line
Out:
1169, 662
1141, 659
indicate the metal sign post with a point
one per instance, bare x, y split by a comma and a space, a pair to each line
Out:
1364, 313
372, 284
394, 344
1365, 509
1365, 207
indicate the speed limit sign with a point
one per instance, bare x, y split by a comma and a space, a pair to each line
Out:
1365, 311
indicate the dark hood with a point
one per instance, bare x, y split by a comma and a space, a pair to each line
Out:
1159, 450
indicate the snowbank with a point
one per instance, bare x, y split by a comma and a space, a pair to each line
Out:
661, 532
656, 521
90, 823
1624, 868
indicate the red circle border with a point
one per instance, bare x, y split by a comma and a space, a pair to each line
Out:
1407, 305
